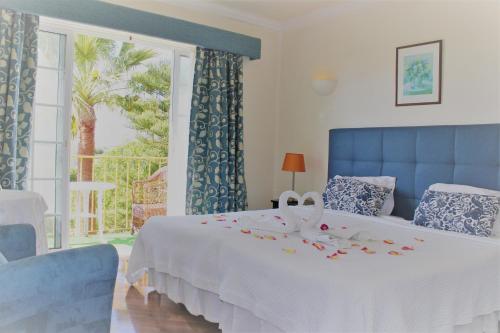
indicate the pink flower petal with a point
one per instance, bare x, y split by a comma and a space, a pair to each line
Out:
318, 246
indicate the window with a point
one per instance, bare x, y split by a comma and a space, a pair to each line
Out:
52, 124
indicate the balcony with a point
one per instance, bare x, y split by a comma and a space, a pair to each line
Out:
136, 190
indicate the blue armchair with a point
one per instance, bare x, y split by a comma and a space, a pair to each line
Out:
65, 291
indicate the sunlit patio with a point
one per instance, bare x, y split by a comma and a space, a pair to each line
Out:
123, 192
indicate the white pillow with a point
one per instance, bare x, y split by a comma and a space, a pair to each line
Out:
3, 260
456, 188
384, 181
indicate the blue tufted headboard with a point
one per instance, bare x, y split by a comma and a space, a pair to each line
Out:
418, 157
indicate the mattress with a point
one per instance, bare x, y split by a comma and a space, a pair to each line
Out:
249, 282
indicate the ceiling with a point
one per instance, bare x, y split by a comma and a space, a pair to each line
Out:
277, 10
275, 14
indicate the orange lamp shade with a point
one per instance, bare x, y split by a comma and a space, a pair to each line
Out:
294, 162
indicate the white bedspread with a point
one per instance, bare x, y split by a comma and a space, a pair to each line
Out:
438, 281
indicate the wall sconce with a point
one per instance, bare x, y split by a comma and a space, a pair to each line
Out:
323, 86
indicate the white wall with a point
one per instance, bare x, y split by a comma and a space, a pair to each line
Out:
260, 96
358, 48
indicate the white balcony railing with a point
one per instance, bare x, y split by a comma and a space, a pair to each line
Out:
122, 171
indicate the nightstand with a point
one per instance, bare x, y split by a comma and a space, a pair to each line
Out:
291, 202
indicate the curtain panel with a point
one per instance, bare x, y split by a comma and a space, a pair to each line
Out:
18, 61
215, 175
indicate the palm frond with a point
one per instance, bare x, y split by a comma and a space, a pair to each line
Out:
93, 85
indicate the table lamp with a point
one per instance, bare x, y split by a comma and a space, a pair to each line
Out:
294, 163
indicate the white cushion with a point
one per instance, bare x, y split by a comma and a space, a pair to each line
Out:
3, 260
456, 188
384, 181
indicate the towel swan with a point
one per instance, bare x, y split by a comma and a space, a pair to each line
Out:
306, 225
308, 228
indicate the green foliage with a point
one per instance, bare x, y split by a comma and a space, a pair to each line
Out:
147, 105
73, 175
143, 97
114, 167
99, 65
134, 149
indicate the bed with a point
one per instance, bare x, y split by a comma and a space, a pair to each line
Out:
405, 279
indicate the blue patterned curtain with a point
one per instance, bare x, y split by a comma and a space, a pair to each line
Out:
215, 177
18, 57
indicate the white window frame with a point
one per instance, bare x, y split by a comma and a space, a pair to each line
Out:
175, 144
66, 110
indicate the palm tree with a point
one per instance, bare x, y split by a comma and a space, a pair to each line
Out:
93, 86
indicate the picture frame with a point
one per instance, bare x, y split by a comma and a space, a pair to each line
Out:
419, 73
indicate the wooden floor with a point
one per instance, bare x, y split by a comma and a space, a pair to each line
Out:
132, 315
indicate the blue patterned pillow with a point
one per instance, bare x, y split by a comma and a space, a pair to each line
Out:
354, 196
472, 214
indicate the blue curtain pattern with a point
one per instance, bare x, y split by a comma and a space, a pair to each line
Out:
18, 61
215, 175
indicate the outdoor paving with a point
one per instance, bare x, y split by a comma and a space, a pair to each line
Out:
122, 241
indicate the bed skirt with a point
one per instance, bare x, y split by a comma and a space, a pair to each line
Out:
233, 319
230, 318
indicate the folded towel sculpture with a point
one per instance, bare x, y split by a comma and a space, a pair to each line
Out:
272, 223
303, 219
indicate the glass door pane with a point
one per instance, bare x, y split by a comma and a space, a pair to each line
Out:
48, 149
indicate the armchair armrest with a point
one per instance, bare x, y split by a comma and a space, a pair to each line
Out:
17, 241
66, 291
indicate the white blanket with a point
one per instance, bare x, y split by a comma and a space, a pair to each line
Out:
432, 281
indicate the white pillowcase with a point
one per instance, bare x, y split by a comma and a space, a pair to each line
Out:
456, 188
396, 219
3, 260
384, 181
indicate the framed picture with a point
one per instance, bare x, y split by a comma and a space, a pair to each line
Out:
418, 74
